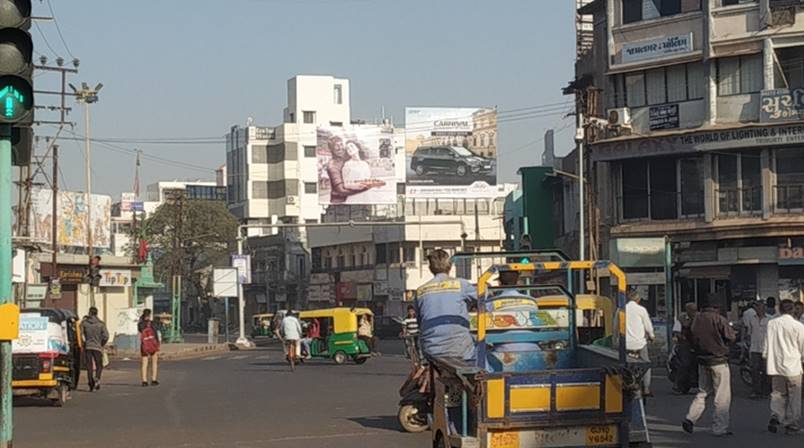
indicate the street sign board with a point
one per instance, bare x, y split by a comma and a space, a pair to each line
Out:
224, 282
34, 295
243, 265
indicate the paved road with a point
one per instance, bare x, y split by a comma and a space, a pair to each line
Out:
249, 399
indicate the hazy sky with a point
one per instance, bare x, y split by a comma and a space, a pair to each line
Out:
190, 69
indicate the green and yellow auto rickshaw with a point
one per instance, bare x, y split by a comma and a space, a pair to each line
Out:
334, 333
262, 325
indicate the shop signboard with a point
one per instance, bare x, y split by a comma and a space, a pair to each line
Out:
659, 48
243, 265
115, 277
663, 117
34, 295
638, 252
791, 255
72, 276
781, 105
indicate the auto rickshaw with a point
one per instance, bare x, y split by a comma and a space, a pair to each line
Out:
532, 383
338, 339
262, 325
47, 354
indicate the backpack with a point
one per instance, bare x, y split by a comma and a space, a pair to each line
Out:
149, 343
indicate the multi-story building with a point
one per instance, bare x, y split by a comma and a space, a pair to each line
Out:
271, 171
703, 140
381, 264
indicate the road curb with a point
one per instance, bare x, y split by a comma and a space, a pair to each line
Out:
188, 353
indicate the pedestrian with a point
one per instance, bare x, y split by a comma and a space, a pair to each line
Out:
711, 336
686, 375
784, 351
756, 330
771, 306
366, 333
639, 332
798, 311
95, 335
149, 347
410, 332
292, 334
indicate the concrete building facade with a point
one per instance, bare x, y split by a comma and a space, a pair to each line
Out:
696, 134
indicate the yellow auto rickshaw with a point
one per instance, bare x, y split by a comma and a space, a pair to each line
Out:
334, 333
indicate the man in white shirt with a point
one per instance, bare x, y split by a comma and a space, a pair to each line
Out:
756, 329
784, 352
639, 331
292, 331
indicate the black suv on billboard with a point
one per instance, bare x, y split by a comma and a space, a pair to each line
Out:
455, 160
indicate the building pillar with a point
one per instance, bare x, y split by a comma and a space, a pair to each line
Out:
767, 183
768, 63
710, 201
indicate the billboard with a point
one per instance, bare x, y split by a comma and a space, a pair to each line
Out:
450, 145
71, 219
358, 165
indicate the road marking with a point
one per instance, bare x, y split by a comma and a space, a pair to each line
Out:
239, 357
263, 357
211, 358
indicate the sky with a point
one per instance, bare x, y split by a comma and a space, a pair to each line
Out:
190, 69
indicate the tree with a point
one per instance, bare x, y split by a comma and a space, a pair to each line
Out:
187, 237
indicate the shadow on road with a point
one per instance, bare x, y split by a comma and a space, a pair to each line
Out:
387, 422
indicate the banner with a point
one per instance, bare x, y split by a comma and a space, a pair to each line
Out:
450, 146
115, 277
358, 165
71, 219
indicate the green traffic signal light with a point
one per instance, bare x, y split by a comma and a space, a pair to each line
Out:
12, 99
16, 100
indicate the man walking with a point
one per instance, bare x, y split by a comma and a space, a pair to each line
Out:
95, 336
687, 372
756, 330
784, 351
711, 336
639, 331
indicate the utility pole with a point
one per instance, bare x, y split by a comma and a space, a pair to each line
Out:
54, 267
88, 95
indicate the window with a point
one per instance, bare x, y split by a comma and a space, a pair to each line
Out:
259, 190
676, 83
259, 154
635, 189
739, 178
636, 10
393, 253
736, 2
789, 178
662, 189
409, 254
309, 117
655, 82
790, 70
381, 254
309, 151
691, 176
635, 88
739, 75
310, 188
274, 189
337, 90
291, 117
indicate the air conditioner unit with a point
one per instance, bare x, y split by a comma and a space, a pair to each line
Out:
620, 116
290, 200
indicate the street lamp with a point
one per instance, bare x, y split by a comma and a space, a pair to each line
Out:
88, 96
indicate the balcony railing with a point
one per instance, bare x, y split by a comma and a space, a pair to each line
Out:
789, 198
739, 201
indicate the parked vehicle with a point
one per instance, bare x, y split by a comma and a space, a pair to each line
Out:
338, 340
262, 325
47, 354
455, 160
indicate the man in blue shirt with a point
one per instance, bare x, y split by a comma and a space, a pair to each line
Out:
510, 299
443, 311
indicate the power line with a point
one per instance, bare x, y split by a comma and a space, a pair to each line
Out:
41, 33
58, 29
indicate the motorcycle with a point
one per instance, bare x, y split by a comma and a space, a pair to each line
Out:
415, 406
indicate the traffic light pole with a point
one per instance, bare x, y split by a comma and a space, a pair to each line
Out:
6, 427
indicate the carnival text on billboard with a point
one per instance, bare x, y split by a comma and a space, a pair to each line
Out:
451, 123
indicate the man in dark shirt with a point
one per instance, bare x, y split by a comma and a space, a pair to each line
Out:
711, 336
686, 375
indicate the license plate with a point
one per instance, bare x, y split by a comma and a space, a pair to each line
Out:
601, 435
504, 440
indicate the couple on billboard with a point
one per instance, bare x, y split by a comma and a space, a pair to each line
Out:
350, 174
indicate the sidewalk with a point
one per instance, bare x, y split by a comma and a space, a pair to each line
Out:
178, 351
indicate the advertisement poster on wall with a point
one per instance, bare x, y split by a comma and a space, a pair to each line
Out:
358, 165
450, 145
72, 218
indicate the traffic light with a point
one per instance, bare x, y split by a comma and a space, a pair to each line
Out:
21, 144
16, 67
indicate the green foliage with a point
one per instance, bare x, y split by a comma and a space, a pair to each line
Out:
188, 236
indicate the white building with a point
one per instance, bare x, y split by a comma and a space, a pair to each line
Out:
271, 173
381, 265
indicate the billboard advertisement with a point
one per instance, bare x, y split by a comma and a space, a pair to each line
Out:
358, 165
450, 145
72, 218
